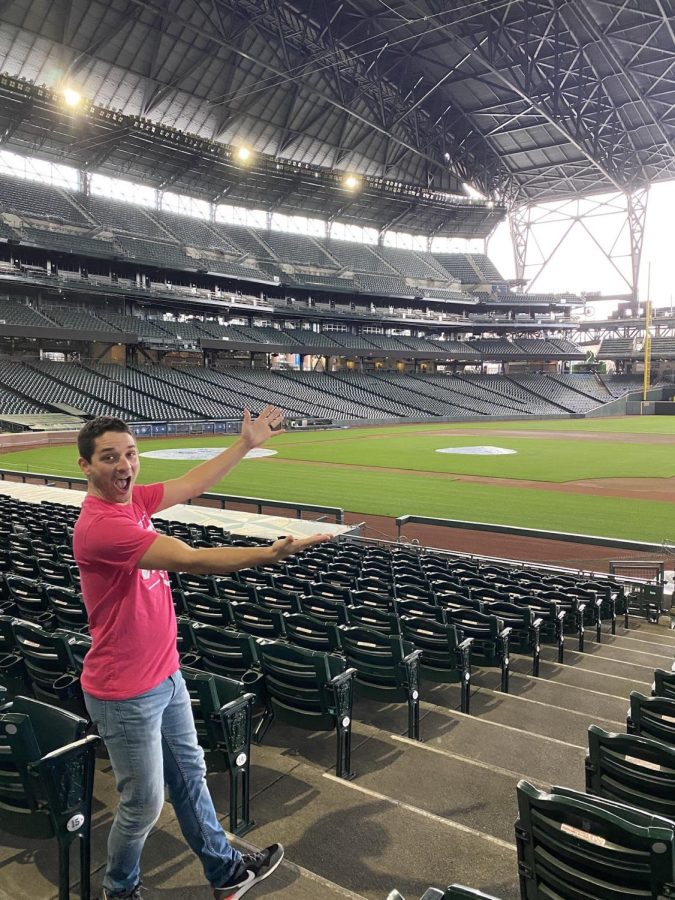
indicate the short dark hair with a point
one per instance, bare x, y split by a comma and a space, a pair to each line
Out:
86, 437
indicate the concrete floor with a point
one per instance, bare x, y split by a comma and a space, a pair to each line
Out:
416, 814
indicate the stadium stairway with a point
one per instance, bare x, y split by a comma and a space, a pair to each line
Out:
415, 813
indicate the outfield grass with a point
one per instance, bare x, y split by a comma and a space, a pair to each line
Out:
394, 470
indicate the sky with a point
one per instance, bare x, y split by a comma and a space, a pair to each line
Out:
579, 265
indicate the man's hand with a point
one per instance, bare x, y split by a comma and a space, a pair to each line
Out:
287, 546
254, 433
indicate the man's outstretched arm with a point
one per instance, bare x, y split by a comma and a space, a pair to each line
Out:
254, 433
172, 555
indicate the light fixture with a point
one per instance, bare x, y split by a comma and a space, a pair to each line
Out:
244, 155
71, 97
351, 182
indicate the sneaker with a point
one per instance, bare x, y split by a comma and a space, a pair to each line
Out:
254, 867
134, 894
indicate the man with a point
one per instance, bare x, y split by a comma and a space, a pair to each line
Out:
131, 680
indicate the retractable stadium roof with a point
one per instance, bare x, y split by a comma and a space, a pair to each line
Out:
526, 100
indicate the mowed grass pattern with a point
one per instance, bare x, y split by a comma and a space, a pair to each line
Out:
392, 471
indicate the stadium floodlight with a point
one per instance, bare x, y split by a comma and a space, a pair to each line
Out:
71, 97
351, 182
244, 155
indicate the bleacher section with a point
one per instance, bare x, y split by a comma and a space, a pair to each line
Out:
616, 348
459, 267
553, 390
160, 394
39, 202
243, 240
358, 258
158, 253
13, 313
486, 267
383, 286
69, 242
81, 320
441, 809
126, 218
412, 265
297, 248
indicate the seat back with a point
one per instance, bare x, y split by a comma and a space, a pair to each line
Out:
27, 595
573, 845
652, 717
30, 730
259, 621
208, 609
335, 611
372, 617
664, 684
232, 589
47, 659
378, 660
421, 609
275, 598
225, 652
312, 633
297, 682
438, 643
631, 769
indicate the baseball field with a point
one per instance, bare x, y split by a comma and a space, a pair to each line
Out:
613, 477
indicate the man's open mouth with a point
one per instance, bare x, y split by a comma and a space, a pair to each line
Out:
123, 484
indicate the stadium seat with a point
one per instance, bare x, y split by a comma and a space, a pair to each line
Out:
387, 669
207, 609
312, 690
664, 684
223, 714
491, 639
258, 620
524, 630
275, 598
312, 633
233, 654
51, 670
46, 781
445, 657
573, 845
652, 717
631, 769
372, 617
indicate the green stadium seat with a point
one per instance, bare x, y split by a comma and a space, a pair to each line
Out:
223, 714
46, 781
524, 627
51, 670
312, 633
490, 639
233, 654
664, 684
275, 598
372, 617
578, 847
312, 690
631, 769
445, 657
259, 621
387, 669
207, 609
652, 717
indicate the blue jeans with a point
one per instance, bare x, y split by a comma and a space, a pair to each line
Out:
152, 740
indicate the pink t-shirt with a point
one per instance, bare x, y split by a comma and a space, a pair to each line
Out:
131, 616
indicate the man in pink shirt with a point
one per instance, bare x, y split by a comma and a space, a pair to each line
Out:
132, 683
